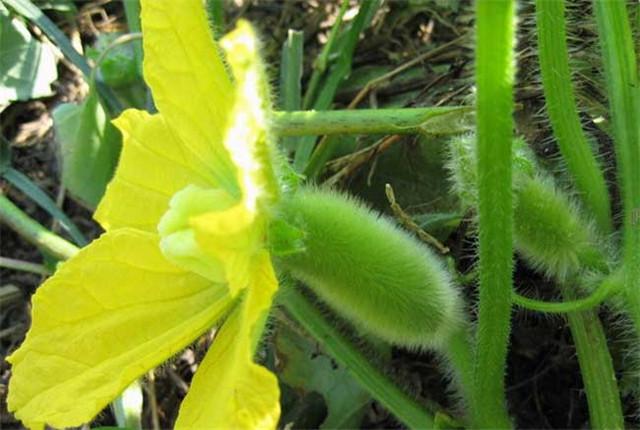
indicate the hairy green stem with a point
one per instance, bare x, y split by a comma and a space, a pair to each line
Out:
495, 25
458, 351
608, 287
561, 107
430, 120
379, 386
596, 367
624, 99
33, 232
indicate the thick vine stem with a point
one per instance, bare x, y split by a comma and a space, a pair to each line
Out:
379, 386
596, 367
562, 111
431, 120
620, 66
495, 28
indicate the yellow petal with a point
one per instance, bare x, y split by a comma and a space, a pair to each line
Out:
247, 138
153, 166
189, 82
230, 391
112, 312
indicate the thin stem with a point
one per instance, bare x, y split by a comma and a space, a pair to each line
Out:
596, 367
459, 352
380, 387
33, 232
561, 107
26, 185
431, 120
372, 84
24, 266
611, 285
495, 27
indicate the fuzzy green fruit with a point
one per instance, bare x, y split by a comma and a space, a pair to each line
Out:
550, 230
370, 271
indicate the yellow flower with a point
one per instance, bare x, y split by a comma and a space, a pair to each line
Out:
185, 219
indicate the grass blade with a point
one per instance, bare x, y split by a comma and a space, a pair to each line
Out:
290, 79
337, 73
320, 65
495, 27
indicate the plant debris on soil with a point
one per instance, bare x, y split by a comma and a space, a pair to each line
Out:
544, 386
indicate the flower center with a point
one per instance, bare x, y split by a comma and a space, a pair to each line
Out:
209, 232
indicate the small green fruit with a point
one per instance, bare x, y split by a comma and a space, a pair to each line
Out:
371, 272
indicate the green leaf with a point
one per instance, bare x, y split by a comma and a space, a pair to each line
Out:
27, 66
89, 147
119, 67
304, 368
439, 224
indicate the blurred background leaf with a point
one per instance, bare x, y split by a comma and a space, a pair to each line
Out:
308, 371
118, 66
27, 66
89, 147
